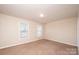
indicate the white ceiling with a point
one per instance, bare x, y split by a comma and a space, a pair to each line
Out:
32, 11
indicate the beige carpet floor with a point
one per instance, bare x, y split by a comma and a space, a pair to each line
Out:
40, 47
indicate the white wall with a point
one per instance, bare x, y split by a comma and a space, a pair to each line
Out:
63, 31
9, 31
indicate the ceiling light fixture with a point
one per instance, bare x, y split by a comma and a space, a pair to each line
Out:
41, 15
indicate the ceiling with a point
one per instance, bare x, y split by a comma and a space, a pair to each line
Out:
32, 11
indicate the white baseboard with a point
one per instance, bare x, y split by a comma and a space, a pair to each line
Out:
17, 44
62, 42
26, 42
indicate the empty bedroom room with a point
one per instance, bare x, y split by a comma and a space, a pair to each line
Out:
39, 29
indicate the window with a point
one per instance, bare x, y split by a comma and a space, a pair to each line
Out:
23, 30
39, 30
